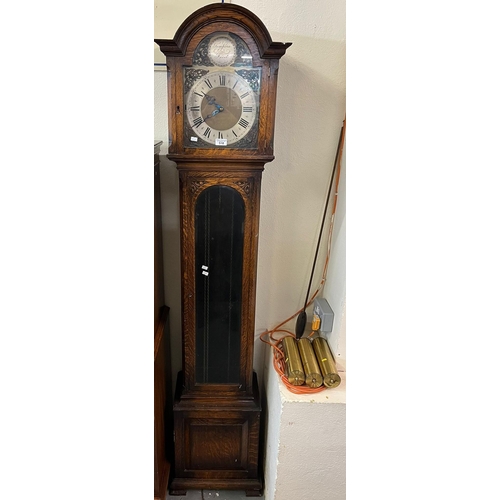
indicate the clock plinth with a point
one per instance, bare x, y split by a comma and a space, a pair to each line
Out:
222, 80
217, 442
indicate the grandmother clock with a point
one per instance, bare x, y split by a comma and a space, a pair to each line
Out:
222, 77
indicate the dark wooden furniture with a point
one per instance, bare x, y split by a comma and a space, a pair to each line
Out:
222, 78
163, 445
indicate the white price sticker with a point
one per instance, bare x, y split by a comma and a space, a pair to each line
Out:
221, 142
194, 139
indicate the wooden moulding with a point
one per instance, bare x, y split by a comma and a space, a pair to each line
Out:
219, 12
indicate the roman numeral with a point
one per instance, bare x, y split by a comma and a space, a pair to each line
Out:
207, 132
247, 109
222, 79
198, 121
244, 95
209, 85
201, 95
243, 123
234, 133
194, 108
220, 136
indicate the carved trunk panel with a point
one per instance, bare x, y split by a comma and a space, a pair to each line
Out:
219, 248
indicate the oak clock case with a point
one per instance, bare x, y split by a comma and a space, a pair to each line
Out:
222, 78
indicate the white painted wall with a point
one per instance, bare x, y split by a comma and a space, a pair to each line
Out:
309, 114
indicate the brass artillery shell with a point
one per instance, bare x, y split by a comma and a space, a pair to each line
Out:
312, 370
294, 369
326, 362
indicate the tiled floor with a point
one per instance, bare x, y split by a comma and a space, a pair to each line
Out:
213, 495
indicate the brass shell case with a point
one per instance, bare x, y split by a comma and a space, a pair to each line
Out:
326, 362
312, 370
294, 369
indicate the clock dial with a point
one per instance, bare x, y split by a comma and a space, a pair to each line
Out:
221, 109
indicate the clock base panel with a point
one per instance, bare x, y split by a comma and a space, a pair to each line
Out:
217, 443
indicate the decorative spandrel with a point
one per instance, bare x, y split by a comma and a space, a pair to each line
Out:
219, 236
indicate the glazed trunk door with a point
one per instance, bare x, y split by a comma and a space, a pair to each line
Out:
219, 241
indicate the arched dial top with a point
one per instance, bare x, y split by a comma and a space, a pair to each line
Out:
221, 94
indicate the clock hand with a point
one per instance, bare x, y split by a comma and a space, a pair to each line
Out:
211, 101
214, 112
